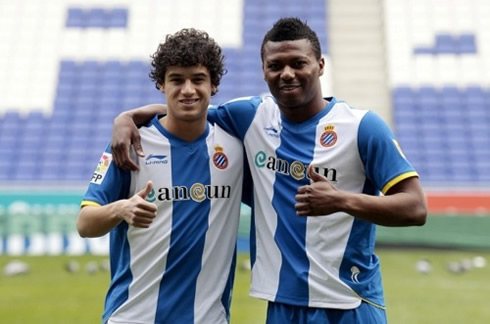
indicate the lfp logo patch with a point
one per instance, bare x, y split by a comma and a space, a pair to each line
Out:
220, 159
329, 137
101, 170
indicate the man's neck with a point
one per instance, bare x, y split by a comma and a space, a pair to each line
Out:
187, 131
303, 113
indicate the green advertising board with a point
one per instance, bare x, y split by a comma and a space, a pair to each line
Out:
38, 212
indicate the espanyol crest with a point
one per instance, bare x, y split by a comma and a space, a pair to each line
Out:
329, 137
220, 159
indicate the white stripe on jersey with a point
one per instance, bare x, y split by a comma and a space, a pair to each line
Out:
268, 254
222, 224
152, 241
322, 242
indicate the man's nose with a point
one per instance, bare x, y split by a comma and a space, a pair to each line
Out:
287, 73
188, 87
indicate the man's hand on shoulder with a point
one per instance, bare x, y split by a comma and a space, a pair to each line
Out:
124, 134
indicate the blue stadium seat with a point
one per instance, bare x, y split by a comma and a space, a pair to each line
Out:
11, 125
96, 18
75, 18
87, 90
403, 92
406, 113
83, 110
53, 172
137, 67
474, 91
78, 172
430, 114
466, 44
118, 18
27, 166
436, 172
69, 66
424, 50
66, 90
80, 133
446, 44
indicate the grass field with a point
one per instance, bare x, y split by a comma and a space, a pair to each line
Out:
51, 295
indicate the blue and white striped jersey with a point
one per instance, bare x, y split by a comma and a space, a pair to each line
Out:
325, 261
180, 270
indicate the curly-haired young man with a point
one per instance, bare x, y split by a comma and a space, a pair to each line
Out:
312, 156
173, 223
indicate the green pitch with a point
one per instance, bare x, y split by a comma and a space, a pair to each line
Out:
50, 295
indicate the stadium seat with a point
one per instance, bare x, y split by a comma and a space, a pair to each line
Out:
445, 44
96, 17
118, 18
466, 44
76, 18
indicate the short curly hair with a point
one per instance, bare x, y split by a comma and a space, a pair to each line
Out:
188, 47
291, 29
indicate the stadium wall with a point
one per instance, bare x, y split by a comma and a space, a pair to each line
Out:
44, 223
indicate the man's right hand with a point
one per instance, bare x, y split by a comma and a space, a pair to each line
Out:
138, 212
124, 134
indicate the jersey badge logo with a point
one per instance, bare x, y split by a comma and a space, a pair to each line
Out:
329, 136
220, 159
101, 170
271, 131
156, 159
355, 274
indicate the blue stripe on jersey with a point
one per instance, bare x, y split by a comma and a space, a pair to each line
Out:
235, 116
367, 282
121, 276
189, 226
115, 185
228, 292
290, 234
379, 153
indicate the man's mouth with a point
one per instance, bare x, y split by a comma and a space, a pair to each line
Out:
188, 101
289, 87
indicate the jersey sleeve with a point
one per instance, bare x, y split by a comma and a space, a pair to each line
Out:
108, 184
235, 116
385, 164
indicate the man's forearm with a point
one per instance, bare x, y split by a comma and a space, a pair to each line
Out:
142, 115
96, 221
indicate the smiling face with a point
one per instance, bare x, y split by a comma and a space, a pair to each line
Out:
292, 73
188, 91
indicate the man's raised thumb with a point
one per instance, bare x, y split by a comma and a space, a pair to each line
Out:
314, 176
146, 190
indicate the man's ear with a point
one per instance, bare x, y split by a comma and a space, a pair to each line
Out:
214, 90
162, 87
321, 64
